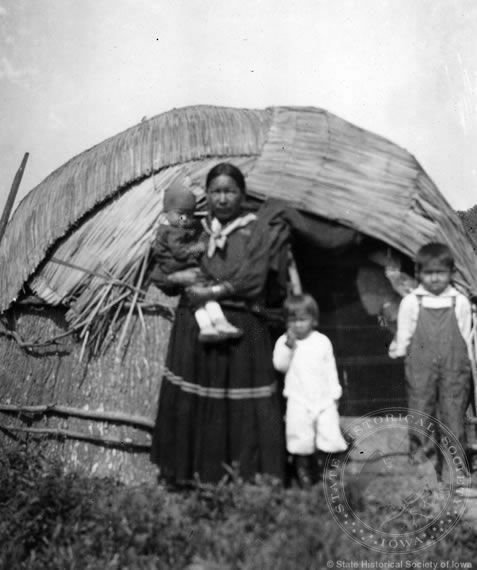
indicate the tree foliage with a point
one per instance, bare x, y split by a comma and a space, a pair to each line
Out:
469, 221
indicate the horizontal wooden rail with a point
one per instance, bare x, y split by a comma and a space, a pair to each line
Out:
63, 433
117, 417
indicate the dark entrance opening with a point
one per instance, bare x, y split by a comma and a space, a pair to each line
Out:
336, 267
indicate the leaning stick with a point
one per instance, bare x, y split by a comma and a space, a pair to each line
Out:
102, 311
119, 417
98, 305
12, 195
80, 323
83, 345
90, 319
36, 344
141, 316
113, 281
131, 308
63, 433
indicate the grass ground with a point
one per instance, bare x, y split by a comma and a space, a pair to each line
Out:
57, 521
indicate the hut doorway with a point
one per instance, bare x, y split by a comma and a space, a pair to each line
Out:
338, 267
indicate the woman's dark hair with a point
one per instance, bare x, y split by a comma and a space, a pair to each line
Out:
297, 303
227, 169
434, 252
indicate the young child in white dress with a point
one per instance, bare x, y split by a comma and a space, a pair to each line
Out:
312, 388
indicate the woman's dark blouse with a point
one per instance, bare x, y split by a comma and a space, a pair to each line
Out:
244, 262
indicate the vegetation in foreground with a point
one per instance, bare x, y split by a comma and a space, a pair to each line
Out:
53, 520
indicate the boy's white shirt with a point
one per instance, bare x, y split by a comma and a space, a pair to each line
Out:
310, 371
409, 311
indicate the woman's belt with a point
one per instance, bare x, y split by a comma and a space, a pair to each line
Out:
268, 313
219, 393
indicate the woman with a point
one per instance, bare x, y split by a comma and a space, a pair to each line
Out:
219, 404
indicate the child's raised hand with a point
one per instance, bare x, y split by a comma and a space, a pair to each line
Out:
291, 338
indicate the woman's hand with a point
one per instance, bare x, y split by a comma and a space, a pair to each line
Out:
199, 294
198, 248
185, 277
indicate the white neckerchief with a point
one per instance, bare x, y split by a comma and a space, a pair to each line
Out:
218, 233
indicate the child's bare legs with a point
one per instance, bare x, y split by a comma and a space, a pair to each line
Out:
213, 324
206, 326
307, 431
219, 320
300, 435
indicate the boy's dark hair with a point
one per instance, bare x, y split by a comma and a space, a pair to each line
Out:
304, 302
434, 252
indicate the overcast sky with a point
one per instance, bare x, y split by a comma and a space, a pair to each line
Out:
74, 72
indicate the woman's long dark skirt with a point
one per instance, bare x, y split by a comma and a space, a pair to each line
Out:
218, 404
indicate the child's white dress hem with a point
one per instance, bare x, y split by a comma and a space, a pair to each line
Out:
307, 431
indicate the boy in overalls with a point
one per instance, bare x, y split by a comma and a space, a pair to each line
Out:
433, 334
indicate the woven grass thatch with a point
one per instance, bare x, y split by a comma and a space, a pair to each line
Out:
99, 210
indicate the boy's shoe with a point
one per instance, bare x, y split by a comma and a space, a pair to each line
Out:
211, 334
228, 330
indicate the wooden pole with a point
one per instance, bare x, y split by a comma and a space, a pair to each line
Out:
98, 415
64, 433
12, 195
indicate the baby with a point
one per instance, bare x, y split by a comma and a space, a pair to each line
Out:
178, 246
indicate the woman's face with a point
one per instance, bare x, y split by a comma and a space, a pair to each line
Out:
224, 198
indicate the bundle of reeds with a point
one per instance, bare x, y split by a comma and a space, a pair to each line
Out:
98, 271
